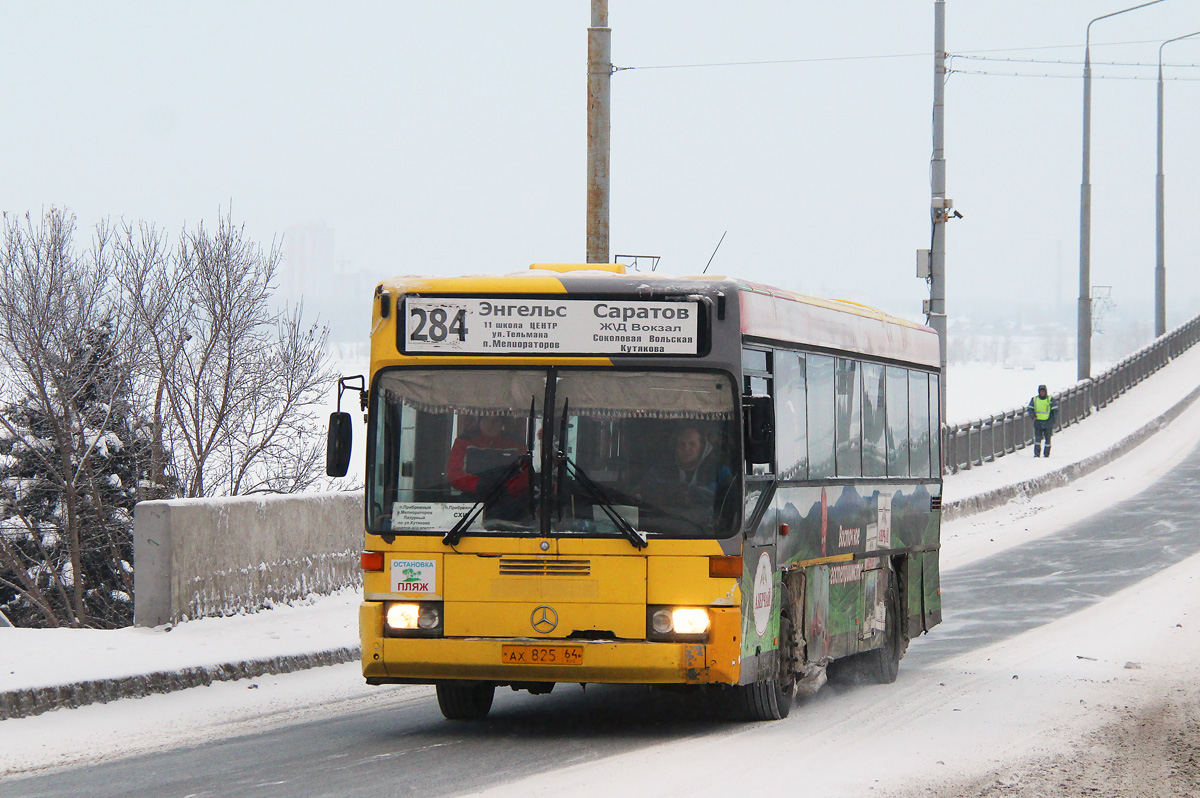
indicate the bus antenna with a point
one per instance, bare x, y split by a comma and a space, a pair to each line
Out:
710, 257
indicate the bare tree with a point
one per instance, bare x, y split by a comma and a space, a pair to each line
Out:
70, 446
238, 385
137, 370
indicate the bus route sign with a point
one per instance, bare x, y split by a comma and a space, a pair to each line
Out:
549, 325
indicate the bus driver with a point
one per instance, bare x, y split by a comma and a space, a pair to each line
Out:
481, 456
695, 464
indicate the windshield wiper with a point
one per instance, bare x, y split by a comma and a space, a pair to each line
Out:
599, 497
455, 534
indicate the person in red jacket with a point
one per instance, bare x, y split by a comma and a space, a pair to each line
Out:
480, 457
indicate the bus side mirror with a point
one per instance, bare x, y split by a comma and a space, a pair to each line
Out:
337, 447
760, 429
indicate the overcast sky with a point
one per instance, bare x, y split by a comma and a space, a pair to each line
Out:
449, 137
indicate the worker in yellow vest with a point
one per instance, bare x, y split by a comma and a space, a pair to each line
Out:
1044, 410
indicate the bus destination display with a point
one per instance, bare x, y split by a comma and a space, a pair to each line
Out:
549, 326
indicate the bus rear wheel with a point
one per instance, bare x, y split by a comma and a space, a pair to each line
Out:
879, 665
772, 699
465, 700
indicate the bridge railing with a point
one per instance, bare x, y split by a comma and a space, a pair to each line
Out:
973, 443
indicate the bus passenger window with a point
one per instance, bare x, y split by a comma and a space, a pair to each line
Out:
791, 416
874, 454
821, 416
849, 428
918, 431
897, 421
755, 360
935, 425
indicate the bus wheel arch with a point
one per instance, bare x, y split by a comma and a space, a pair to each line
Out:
879, 665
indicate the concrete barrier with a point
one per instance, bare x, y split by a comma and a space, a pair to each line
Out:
36, 700
208, 557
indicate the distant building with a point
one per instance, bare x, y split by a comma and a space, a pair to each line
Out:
308, 256
312, 273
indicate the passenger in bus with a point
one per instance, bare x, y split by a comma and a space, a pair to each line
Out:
483, 454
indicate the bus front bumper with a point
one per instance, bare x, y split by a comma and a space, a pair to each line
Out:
414, 659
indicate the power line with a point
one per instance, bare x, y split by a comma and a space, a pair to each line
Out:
1069, 77
830, 59
782, 61
1066, 63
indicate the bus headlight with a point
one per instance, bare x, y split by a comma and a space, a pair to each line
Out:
403, 616
430, 618
660, 622
412, 619
678, 623
689, 620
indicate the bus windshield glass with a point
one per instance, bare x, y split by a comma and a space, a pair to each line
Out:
658, 449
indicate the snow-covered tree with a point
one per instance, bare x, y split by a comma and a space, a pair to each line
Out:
73, 453
134, 371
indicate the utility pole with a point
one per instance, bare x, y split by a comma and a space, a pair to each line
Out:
599, 108
940, 207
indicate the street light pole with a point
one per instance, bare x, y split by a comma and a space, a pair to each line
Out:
1160, 263
1084, 333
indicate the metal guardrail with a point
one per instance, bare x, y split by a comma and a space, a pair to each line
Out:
974, 443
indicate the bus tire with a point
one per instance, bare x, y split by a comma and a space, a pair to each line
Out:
465, 700
772, 698
879, 665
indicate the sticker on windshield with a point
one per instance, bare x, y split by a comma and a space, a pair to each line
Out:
413, 576
427, 516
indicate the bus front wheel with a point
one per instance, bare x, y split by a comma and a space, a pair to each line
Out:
772, 699
465, 700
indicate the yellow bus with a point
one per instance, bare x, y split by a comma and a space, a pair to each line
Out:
574, 474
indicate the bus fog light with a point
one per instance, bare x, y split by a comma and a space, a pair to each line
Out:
661, 621
689, 620
403, 616
429, 618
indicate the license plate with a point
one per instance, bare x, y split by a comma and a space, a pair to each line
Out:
541, 655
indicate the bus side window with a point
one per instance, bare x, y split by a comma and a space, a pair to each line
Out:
918, 431
897, 421
821, 416
874, 454
935, 425
791, 415
758, 370
849, 419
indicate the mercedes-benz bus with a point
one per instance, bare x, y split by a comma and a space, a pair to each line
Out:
577, 474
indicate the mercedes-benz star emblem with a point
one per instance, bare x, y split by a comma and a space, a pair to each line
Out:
544, 619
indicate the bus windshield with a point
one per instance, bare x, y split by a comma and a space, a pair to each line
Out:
658, 449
